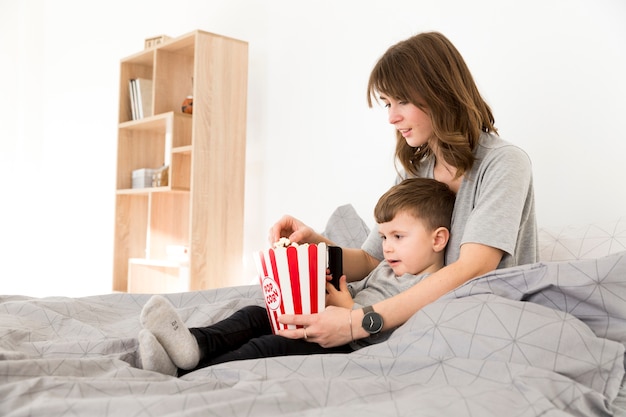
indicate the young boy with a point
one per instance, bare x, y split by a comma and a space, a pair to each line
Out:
414, 223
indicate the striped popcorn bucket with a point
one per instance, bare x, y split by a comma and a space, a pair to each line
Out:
293, 280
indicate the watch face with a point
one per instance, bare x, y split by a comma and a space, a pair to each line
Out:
372, 322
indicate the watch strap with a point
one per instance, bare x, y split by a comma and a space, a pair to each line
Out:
368, 309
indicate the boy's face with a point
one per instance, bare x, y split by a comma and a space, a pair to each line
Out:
408, 246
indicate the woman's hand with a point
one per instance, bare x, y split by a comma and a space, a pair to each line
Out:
294, 230
329, 328
339, 297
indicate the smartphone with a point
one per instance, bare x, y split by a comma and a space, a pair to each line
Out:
335, 264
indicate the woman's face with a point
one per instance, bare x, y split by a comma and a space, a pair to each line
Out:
411, 121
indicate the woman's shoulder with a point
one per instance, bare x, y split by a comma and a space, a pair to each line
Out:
493, 146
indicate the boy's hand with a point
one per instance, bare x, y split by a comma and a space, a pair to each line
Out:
341, 297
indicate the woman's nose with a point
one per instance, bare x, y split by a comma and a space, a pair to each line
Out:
394, 116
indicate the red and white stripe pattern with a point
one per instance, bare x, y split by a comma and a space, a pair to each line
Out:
293, 280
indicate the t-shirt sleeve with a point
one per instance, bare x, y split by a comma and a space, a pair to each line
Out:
503, 191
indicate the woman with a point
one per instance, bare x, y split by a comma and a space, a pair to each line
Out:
445, 131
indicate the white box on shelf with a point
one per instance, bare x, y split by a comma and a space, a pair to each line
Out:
142, 178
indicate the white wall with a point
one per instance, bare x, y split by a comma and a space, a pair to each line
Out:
553, 72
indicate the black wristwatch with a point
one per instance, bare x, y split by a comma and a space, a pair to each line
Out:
372, 321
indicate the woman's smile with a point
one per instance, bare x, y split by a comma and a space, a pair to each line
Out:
405, 132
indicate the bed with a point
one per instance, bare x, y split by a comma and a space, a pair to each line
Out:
545, 339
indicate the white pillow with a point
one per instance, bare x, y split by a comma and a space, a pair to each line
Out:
584, 241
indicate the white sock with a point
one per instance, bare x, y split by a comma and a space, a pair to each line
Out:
153, 356
160, 317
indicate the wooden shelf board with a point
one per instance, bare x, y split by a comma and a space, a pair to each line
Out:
148, 190
160, 263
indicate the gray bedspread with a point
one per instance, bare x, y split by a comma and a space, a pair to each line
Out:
539, 340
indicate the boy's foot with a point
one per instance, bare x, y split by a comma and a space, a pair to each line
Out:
160, 317
153, 356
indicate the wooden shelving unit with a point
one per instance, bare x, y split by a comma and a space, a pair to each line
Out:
201, 207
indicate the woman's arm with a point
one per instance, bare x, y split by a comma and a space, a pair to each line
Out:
357, 264
331, 327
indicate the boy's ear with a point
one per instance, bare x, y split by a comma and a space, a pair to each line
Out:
441, 235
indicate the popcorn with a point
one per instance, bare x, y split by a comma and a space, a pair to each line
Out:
293, 279
284, 242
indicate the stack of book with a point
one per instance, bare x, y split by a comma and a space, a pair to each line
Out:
140, 98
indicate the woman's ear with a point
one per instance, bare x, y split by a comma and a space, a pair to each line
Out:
441, 235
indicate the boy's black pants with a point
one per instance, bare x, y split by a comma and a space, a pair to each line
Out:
247, 334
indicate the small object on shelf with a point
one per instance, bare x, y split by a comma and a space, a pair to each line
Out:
157, 40
187, 106
142, 178
159, 177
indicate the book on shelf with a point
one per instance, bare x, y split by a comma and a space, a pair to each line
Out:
133, 99
140, 98
144, 97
